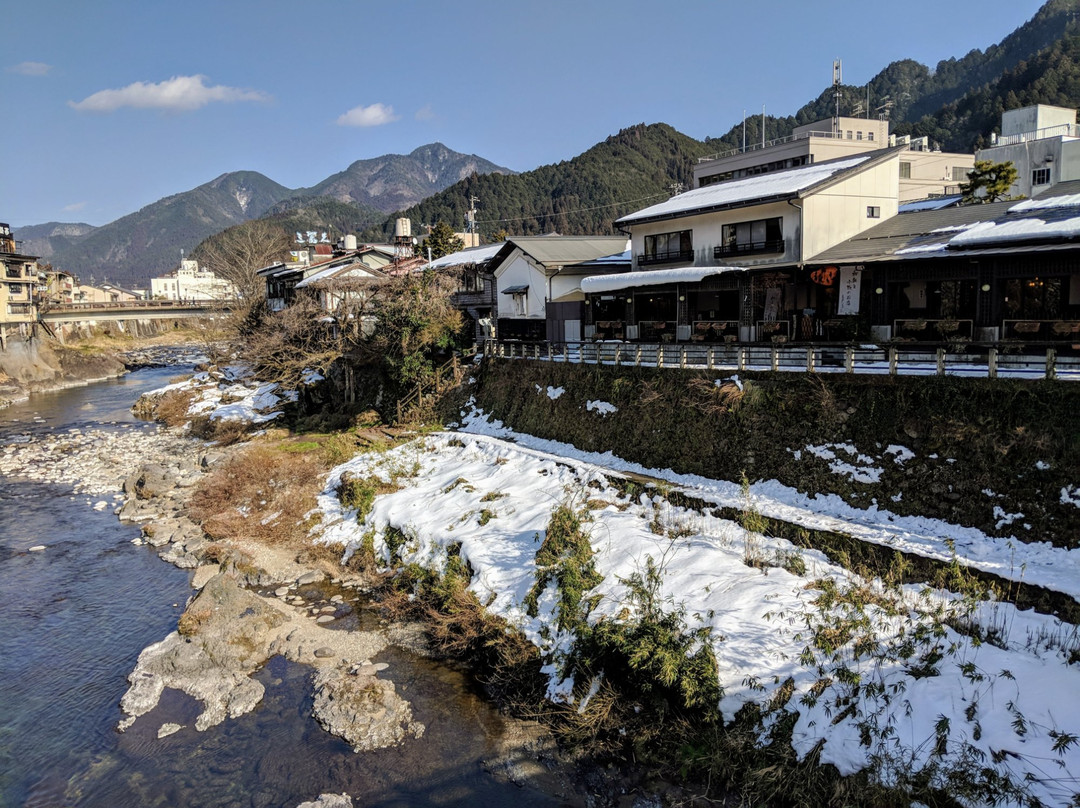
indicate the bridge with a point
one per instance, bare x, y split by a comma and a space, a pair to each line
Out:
61, 313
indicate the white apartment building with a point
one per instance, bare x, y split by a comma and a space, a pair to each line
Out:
190, 282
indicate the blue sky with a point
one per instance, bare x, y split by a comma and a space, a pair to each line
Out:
113, 105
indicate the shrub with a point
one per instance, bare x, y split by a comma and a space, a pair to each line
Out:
565, 556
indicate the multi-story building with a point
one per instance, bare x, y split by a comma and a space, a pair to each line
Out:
922, 171
18, 281
1042, 141
191, 282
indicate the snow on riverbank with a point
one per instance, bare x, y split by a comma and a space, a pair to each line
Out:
1038, 563
231, 394
904, 693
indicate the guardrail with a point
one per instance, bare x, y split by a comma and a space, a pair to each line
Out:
975, 360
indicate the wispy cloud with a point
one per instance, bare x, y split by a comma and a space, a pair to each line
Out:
178, 94
374, 115
30, 69
74, 208
425, 113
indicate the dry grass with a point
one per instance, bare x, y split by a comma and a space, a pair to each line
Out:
261, 493
171, 408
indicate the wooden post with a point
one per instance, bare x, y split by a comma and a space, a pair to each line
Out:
775, 358
810, 360
660, 355
991, 363
940, 361
742, 357
551, 352
566, 351
849, 359
1051, 363
709, 361
893, 357
682, 357
618, 355
637, 356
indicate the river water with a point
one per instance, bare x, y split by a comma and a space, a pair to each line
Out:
74, 618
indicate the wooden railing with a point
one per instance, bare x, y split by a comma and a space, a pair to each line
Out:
977, 360
447, 377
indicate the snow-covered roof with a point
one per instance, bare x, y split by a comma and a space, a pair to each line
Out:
1047, 203
596, 284
734, 193
470, 255
1028, 229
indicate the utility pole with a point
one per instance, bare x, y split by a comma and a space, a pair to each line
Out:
470, 219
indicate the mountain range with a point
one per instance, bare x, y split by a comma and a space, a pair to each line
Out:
148, 242
957, 104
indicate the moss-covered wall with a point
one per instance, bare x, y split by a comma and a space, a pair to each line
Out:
983, 450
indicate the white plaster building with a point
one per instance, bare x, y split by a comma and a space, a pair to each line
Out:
190, 282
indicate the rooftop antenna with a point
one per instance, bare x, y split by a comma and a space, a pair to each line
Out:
837, 78
763, 126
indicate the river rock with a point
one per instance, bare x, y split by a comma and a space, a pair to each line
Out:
154, 480
312, 577
204, 574
364, 711
324, 653
329, 801
226, 634
325, 618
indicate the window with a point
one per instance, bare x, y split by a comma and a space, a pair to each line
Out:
873, 212
869, 135
858, 135
1040, 176
905, 170
749, 238
849, 134
668, 248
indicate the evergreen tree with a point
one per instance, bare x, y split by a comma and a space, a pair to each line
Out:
439, 242
993, 180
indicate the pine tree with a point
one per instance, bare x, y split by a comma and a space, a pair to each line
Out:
993, 180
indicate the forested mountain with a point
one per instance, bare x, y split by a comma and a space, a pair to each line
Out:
393, 181
960, 101
301, 214
582, 195
146, 243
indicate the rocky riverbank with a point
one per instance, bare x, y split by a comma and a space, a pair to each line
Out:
254, 602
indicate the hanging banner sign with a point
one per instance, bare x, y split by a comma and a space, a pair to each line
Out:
825, 276
850, 284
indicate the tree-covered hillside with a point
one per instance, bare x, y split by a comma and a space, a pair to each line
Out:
583, 195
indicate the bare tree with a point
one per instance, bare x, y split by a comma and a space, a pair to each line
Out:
237, 254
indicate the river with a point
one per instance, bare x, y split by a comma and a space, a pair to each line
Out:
74, 618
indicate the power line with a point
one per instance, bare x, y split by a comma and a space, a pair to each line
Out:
571, 210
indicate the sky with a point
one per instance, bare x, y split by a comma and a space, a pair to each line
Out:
113, 105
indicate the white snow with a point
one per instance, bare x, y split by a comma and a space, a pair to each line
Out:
1020, 230
860, 469
901, 454
763, 622
601, 407
778, 183
554, 392
1049, 203
595, 284
1070, 495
